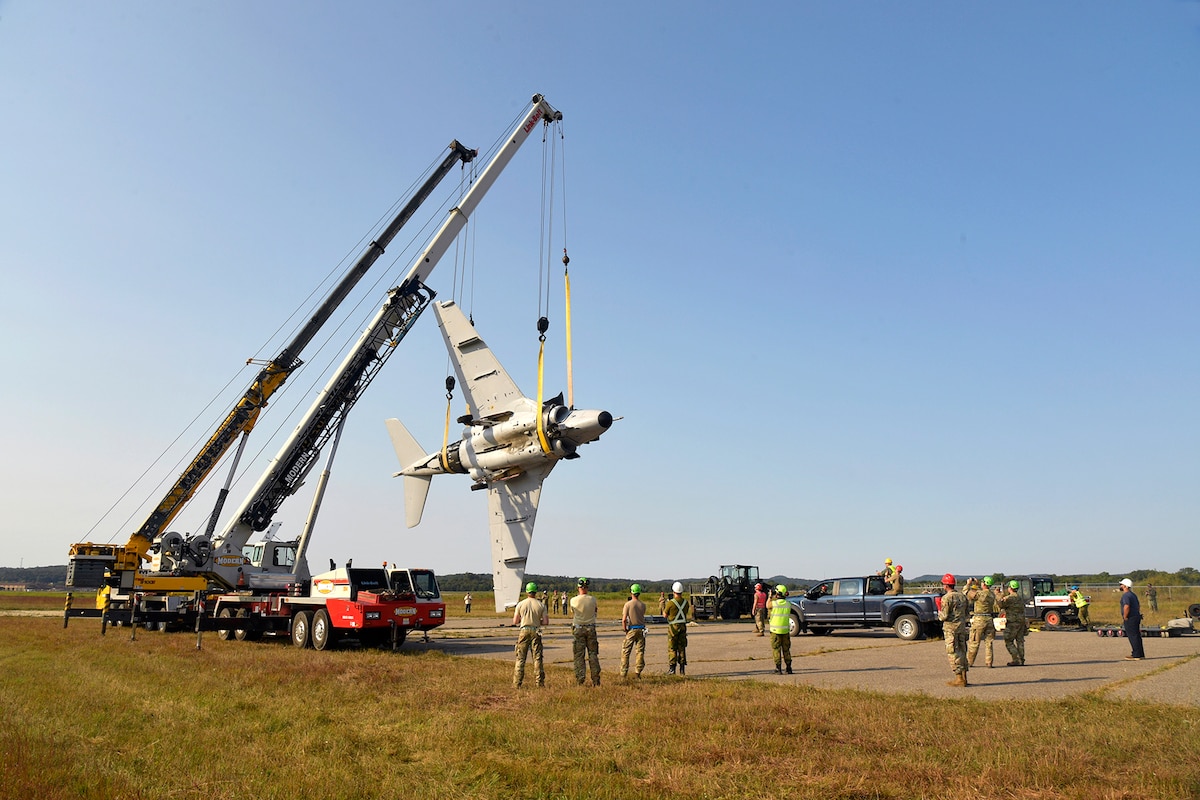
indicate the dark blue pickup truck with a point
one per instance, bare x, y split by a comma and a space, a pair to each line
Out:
860, 602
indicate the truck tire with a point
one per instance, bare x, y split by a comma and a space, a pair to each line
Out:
243, 635
224, 635
907, 627
301, 628
322, 630
794, 628
1194, 611
1052, 617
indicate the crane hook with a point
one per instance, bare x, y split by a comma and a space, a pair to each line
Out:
543, 325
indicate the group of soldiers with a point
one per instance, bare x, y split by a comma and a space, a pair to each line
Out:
969, 622
530, 615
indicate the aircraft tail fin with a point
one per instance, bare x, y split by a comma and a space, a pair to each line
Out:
416, 487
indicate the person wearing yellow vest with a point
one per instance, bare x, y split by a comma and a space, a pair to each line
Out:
677, 614
781, 638
1081, 607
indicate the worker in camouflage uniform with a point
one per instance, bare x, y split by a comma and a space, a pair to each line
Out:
1081, 607
586, 647
983, 627
677, 615
953, 614
633, 620
1012, 608
781, 628
531, 615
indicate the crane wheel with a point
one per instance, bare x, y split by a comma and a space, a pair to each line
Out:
322, 630
224, 635
301, 629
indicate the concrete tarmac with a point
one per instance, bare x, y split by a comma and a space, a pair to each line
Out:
1059, 663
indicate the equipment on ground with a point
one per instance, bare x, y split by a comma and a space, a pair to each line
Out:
728, 596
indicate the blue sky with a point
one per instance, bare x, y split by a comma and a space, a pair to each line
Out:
864, 280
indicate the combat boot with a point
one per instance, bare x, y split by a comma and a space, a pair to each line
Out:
683, 669
778, 670
789, 669
959, 680
671, 670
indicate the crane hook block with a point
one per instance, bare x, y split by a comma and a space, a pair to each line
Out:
566, 260
449, 383
543, 325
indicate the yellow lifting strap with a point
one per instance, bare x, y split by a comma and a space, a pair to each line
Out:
570, 376
543, 324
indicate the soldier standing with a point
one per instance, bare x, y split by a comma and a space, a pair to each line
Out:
1152, 596
781, 639
983, 627
953, 615
531, 615
677, 614
1012, 608
896, 585
759, 610
583, 625
633, 620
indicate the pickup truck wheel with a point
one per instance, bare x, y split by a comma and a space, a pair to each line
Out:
1052, 618
224, 635
322, 631
301, 625
793, 625
907, 627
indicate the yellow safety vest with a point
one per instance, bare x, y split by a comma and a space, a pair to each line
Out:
781, 612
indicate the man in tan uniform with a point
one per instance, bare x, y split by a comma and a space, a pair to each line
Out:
953, 615
983, 621
583, 626
531, 615
633, 620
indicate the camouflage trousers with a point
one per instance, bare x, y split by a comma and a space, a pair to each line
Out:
1014, 640
635, 643
955, 634
760, 620
1084, 621
676, 645
983, 633
530, 639
781, 649
586, 646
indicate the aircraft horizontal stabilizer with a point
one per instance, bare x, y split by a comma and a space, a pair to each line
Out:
416, 487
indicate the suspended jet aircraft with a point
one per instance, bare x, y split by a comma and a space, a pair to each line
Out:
503, 448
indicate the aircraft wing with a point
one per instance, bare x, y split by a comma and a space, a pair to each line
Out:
512, 509
487, 387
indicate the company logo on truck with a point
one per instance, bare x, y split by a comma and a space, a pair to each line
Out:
324, 586
230, 560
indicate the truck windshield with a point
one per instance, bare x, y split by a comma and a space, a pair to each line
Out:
425, 584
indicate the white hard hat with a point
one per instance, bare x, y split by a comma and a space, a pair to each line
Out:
677, 587
1126, 582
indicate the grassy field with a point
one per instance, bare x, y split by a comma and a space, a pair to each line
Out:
92, 717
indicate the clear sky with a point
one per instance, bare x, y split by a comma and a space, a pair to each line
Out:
865, 280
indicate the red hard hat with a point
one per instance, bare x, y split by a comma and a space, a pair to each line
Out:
948, 580
899, 568
758, 587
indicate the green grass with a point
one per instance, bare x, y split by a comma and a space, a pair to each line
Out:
92, 717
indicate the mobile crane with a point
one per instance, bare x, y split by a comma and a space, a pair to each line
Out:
119, 567
251, 588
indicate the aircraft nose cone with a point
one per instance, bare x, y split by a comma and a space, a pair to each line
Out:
604, 420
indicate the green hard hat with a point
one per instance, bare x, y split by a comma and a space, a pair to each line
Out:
583, 581
781, 590
635, 589
1014, 584
531, 587
989, 580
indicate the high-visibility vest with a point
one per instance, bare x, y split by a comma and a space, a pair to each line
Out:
781, 613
